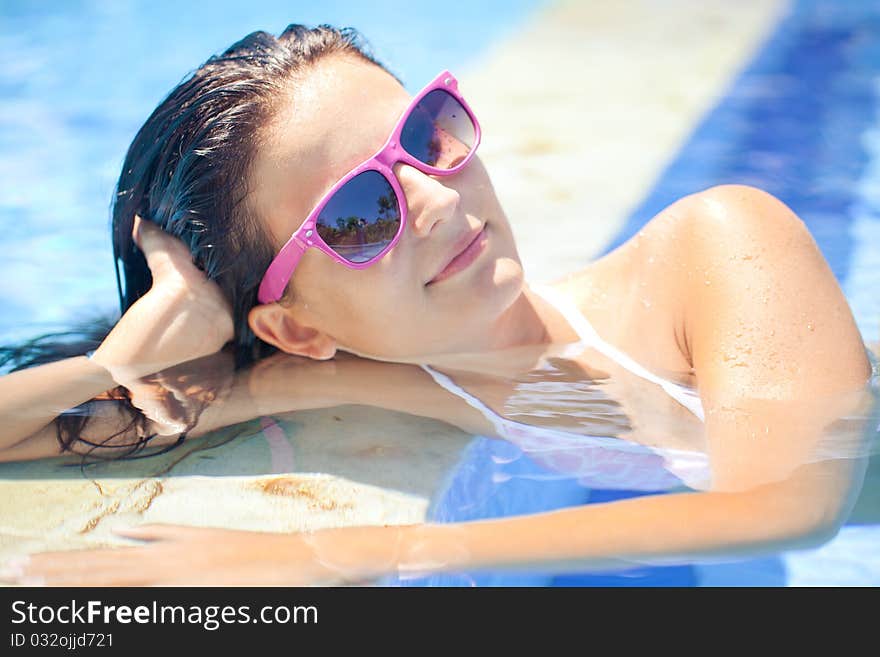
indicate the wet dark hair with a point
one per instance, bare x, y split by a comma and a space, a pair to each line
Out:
187, 171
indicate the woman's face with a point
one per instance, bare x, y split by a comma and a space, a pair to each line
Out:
338, 113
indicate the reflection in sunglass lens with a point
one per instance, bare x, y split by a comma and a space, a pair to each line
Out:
362, 217
438, 132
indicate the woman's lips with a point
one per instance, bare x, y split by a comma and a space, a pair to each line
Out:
470, 253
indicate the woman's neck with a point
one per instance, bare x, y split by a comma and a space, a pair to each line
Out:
530, 320
515, 341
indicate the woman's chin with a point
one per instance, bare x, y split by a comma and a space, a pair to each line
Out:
506, 279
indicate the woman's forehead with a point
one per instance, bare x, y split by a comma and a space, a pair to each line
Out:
334, 82
339, 112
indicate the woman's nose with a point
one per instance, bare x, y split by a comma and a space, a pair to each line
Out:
429, 201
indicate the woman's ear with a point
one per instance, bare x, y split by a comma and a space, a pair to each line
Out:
275, 324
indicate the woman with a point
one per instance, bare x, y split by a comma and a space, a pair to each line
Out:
230, 223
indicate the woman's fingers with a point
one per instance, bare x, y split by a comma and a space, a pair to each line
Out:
181, 555
136, 565
183, 316
74, 567
160, 249
170, 260
136, 230
149, 240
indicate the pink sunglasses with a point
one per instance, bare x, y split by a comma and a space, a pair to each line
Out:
363, 215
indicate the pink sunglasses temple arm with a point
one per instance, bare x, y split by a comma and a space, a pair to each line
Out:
278, 275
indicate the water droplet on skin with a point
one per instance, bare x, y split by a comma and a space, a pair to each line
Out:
810, 326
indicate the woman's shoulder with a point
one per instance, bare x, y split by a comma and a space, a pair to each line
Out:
640, 295
631, 296
757, 283
703, 229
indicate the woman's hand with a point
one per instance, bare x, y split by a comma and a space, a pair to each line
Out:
178, 555
182, 317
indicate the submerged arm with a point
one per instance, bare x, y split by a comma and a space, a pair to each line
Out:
659, 529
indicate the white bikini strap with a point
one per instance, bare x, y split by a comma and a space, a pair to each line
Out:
587, 333
447, 383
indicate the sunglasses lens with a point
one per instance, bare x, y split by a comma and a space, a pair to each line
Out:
362, 217
439, 131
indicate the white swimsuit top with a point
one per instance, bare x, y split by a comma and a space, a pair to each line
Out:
598, 461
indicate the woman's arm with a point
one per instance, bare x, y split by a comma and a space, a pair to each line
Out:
767, 327
274, 385
183, 316
32, 398
661, 529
